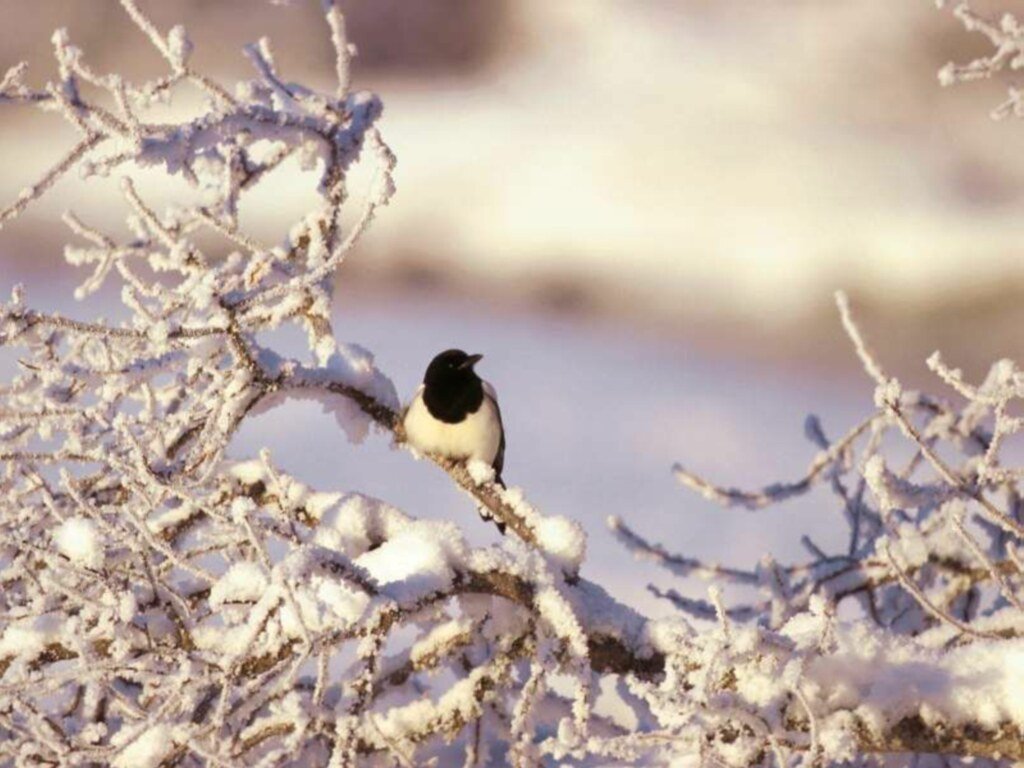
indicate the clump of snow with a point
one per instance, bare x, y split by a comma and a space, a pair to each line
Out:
357, 522
147, 750
884, 679
419, 559
247, 472
480, 471
158, 334
287, 491
322, 604
564, 540
437, 639
461, 700
244, 581
79, 540
561, 617
27, 637
169, 516
349, 365
241, 508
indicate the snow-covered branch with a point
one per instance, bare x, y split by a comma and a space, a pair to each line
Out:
930, 585
162, 605
1006, 37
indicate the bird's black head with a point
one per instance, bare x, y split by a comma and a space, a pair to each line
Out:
451, 387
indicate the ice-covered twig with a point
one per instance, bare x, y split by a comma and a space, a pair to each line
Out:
1007, 41
773, 494
930, 560
162, 605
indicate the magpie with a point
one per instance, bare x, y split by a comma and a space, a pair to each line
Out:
455, 414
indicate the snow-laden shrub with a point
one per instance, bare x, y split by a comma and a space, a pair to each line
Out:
162, 605
929, 652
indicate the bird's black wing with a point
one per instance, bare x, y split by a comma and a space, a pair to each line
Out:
499, 457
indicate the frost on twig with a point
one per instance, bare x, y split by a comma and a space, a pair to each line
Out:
929, 582
1006, 38
161, 605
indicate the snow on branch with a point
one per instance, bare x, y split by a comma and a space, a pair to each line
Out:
931, 581
1006, 37
161, 605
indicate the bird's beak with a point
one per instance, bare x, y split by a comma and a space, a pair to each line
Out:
471, 361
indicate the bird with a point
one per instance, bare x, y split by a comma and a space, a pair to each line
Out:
455, 414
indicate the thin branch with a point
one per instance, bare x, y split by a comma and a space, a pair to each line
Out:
51, 177
775, 493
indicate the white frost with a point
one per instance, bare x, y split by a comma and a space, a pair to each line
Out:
564, 540
418, 560
79, 540
147, 750
244, 582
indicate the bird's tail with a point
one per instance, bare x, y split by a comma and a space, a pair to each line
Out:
485, 513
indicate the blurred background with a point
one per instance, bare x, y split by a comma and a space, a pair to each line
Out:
637, 209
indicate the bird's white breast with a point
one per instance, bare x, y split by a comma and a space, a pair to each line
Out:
475, 437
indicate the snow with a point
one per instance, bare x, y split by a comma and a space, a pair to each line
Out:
695, 409
730, 237
147, 750
728, 80
28, 637
323, 604
417, 560
79, 539
439, 637
564, 540
357, 522
243, 582
459, 700
348, 364
558, 613
244, 617
481, 471
884, 679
